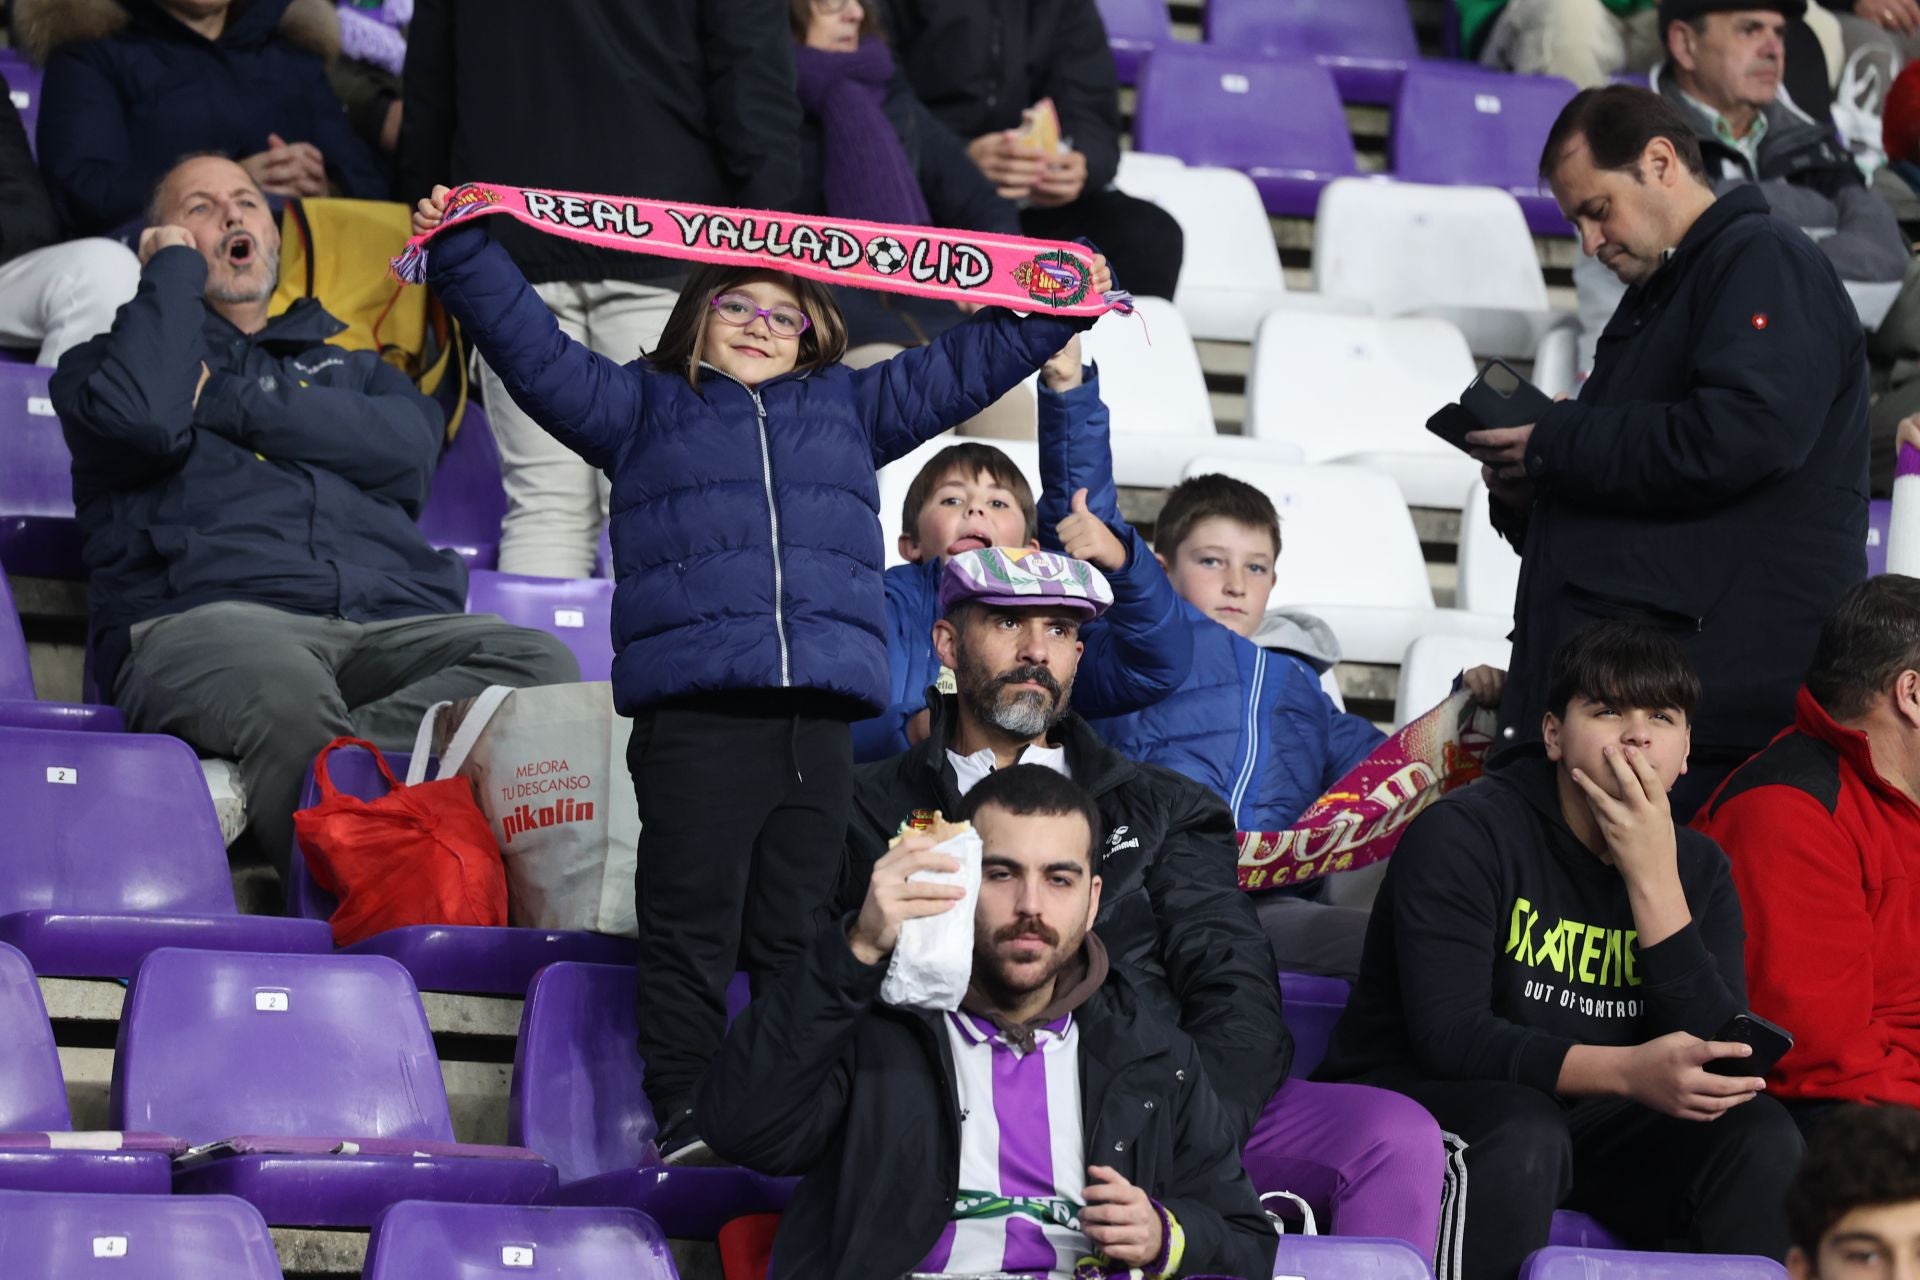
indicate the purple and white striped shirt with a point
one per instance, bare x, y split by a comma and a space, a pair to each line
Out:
1022, 1154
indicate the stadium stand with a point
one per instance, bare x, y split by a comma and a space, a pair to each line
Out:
1358, 389
1281, 114
1367, 44
112, 849
19, 708
577, 1101
38, 1150
422, 1240
1276, 121
578, 611
110, 1237
308, 1084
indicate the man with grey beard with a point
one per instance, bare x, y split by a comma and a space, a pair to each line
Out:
1170, 909
247, 495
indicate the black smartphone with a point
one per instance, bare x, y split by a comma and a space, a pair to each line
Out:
1770, 1044
1499, 397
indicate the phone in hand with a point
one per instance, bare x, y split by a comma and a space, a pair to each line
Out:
1497, 397
1770, 1044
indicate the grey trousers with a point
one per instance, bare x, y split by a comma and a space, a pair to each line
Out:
270, 688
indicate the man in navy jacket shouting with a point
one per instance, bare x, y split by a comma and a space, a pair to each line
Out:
247, 495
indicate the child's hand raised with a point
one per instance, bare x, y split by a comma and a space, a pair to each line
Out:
1085, 536
1064, 371
1102, 274
429, 212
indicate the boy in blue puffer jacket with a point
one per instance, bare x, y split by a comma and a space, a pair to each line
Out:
747, 618
971, 495
1252, 723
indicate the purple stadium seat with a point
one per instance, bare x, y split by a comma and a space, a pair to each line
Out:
308, 1085
1879, 516
1311, 1006
1367, 44
38, 535
1135, 28
23, 86
19, 709
1348, 1258
36, 1138
1279, 122
1466, 126
121, 1237
1578, 1231
112, 849
463, 512
578, 611
1560, 1263
416, 1240
577, 1100
469, 958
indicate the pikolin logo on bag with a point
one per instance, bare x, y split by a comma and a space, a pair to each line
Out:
539, 776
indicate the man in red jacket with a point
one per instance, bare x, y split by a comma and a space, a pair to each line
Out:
1823, 828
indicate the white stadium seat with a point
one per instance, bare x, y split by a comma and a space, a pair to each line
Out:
1461, 253
1431, 663
1360, 389
1230, 273
1350, 555
1489, 566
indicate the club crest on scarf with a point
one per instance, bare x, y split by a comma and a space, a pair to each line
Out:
1053, 279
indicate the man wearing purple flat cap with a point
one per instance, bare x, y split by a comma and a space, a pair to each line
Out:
1171, 910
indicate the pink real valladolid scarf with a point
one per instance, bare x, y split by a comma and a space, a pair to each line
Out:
929, 262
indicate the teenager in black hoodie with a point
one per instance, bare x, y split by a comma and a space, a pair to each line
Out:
1546, 961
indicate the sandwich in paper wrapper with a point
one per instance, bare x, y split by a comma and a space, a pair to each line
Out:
933, 961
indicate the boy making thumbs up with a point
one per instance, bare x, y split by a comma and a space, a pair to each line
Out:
972, 495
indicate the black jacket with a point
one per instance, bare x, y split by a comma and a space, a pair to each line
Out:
119, 110
979, 63
27, 219
670, 99
957, 193
294, 483
1171, 909
1499, 941
1711, 478
819, 1078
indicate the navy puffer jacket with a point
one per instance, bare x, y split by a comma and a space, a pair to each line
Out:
745, 525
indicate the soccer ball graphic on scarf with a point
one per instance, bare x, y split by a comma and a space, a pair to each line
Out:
886, 255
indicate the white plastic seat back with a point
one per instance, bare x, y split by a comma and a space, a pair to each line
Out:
1489, 566
897, 477
1349, 552
1361, 388
1406, 247
1230, 275
1431, 663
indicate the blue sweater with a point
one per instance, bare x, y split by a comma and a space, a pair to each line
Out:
1133, 657
745, 523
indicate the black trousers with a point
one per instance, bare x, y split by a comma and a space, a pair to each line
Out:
743, 820
1142, 242
1716, 1187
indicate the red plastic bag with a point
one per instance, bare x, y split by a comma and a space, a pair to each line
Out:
418, 855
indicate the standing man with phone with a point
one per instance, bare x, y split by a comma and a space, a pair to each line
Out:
1711, 480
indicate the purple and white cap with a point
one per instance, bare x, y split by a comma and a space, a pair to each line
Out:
1015, 577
